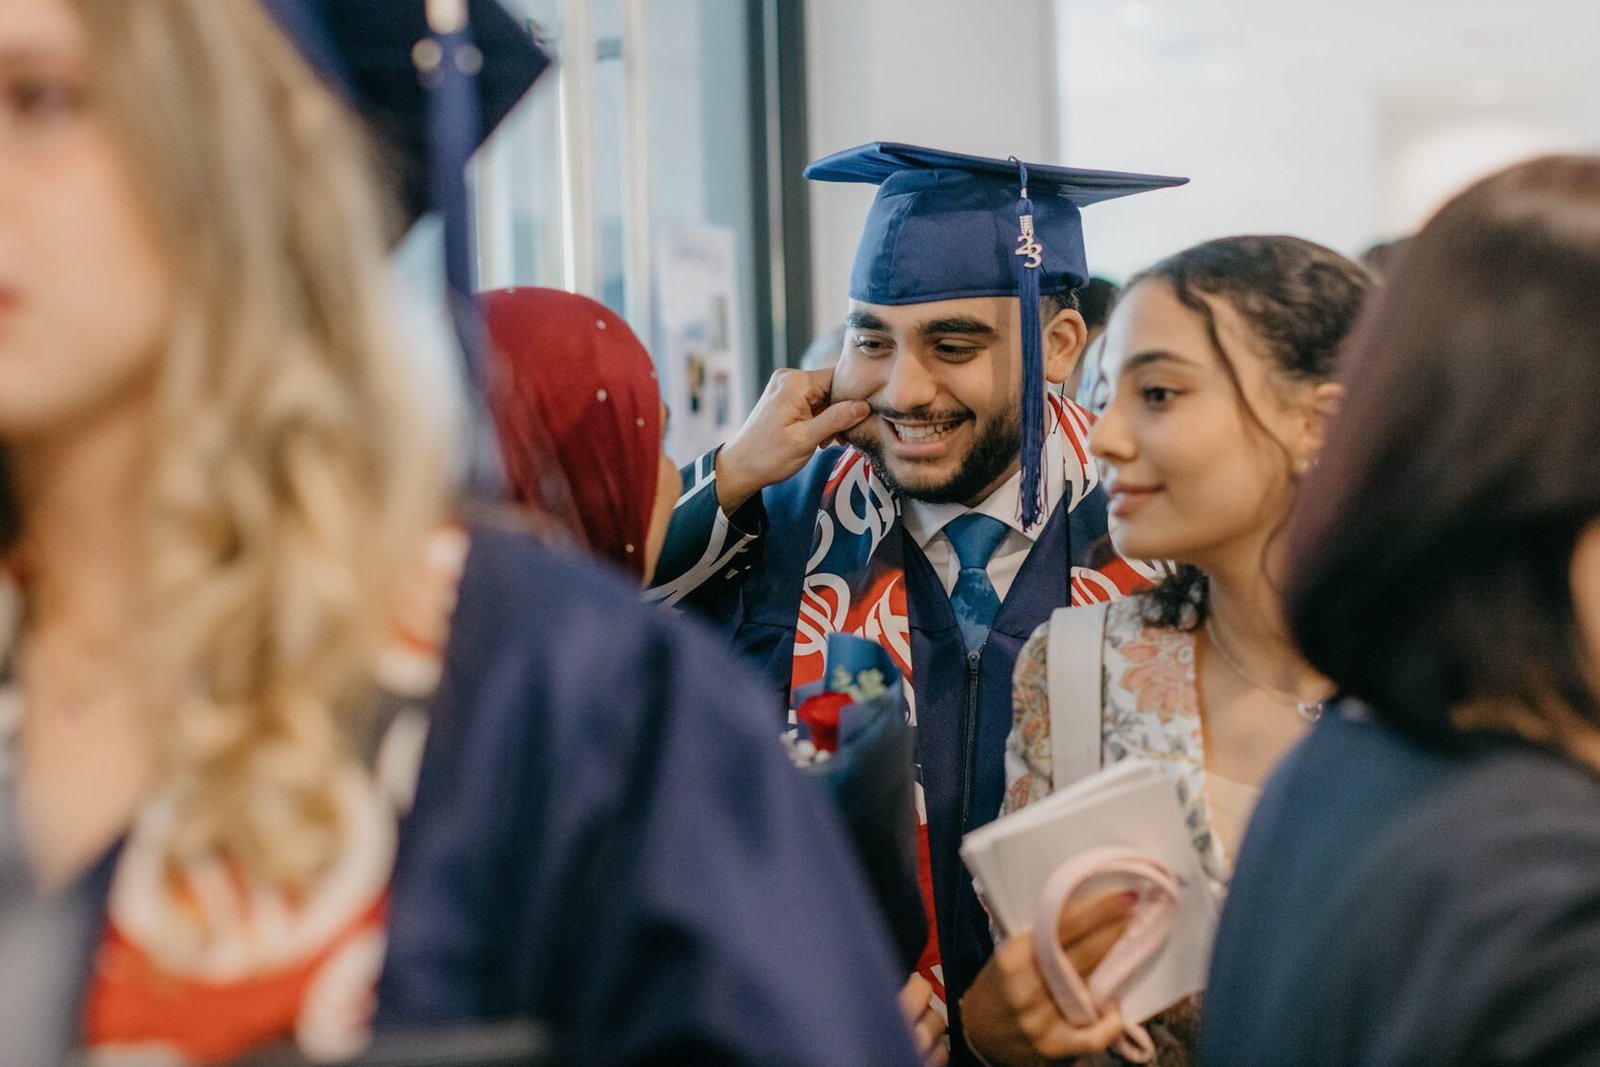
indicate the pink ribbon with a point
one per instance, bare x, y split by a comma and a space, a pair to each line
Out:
1082, 1002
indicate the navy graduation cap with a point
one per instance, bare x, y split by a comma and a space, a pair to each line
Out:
945, 226
387, 58
432, 79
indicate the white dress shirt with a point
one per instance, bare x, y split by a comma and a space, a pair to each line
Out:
926, 522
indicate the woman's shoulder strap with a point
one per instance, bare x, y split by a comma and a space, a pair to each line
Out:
1073, 662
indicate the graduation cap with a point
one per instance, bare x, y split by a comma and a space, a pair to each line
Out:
946, 226
432, 79
387, 58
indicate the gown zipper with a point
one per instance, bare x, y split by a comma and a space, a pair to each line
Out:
974, 658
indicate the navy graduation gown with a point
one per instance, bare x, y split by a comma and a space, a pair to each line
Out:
964, 709
607, 837
964, 714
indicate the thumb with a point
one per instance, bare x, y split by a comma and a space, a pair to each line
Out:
837, 418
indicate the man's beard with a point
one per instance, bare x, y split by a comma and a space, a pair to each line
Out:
994, 450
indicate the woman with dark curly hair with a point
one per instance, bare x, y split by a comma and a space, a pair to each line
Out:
1220, 363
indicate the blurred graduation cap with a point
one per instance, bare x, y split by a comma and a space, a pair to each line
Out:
387, 58
946, 226
432, 79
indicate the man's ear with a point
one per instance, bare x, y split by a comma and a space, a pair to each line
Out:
1064, 337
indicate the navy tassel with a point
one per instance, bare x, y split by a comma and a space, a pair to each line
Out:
1030, 258
449, 70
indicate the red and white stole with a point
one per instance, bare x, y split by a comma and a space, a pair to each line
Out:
853, 585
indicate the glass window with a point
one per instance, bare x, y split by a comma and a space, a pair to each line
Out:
643, 132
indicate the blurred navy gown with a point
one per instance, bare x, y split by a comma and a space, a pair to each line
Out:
608, 837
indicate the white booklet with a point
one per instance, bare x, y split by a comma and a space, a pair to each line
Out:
1130, 804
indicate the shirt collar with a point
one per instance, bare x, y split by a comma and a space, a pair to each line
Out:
924, 520
1066, 446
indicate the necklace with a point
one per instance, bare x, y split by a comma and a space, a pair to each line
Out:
1309, 710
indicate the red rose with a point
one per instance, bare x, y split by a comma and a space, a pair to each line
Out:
820, 714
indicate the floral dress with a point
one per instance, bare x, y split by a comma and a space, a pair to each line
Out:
192, 965
1149, 709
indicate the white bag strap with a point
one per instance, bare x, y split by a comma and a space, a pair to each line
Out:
1073, 665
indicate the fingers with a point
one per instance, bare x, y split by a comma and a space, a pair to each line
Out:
1015, 951
1105, 1031
1089, 927
1082, 917
819, 380
929, 1034
914, 998
806, 396
1061, 1039
928, 1027
1086, 953
1011, 1017
837, 418
1020, 983
1053, 1036
803, 389
791, 420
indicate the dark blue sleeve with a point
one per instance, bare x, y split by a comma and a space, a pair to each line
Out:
707, 553
607, 837
1395, 904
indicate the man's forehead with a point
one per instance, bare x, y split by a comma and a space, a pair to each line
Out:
999, 313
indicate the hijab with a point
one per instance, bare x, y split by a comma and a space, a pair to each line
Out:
570, 379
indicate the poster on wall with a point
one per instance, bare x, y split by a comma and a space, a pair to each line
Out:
698, 358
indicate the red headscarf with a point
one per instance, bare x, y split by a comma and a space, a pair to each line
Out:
570, 377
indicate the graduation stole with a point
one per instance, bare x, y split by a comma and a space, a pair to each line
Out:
855, 580
855, 583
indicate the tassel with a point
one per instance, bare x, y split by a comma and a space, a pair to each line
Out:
1030, 258
453, 120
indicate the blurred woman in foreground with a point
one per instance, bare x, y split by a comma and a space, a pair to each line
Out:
310, 740
1421, 883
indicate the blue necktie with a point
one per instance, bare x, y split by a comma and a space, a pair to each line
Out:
975, 538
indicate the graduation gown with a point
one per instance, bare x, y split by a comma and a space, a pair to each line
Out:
607, 838
756, 575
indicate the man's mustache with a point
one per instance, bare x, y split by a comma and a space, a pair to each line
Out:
920, 414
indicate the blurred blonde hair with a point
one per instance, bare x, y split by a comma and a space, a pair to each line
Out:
295, 475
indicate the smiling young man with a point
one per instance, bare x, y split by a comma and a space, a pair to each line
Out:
927, 493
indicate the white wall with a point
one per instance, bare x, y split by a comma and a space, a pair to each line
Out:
973, 76
1346, 123
1267, 169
